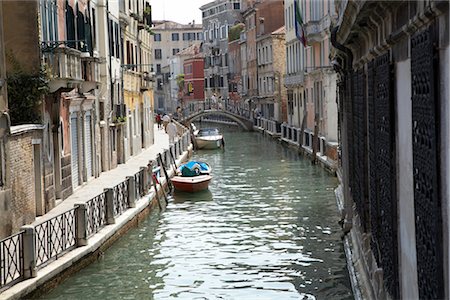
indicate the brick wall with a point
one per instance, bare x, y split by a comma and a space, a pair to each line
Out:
23, 204
66, 180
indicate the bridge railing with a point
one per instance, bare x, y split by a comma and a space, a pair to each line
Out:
272, 127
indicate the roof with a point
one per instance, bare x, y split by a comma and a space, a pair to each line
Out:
162, 25
191, 50
281, 30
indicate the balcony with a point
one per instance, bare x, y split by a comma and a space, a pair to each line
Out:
64, 67
147, 81
317, 30
131, 81
294, 79
90, 73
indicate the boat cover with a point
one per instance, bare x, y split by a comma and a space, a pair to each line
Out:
194, 168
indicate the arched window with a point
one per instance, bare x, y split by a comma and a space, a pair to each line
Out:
70, 25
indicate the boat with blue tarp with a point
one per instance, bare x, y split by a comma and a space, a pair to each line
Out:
192, 176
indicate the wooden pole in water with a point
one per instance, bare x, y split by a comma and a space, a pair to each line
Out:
169, 183
174, 161
156, 190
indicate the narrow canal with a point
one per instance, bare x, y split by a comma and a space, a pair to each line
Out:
266, 229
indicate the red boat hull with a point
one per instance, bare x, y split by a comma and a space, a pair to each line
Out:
191, 184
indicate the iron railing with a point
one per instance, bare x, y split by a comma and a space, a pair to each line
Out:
96, 214
54, 237
139, 184
11, 259
120, 198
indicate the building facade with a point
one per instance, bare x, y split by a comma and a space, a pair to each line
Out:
272, 95
169, 39
64, 58
194, 83
311, 79
5, 177
134, 118
261, 18
217, 18
392, 58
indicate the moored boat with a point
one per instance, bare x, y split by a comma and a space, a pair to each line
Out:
192, 176
209, 138
191, 184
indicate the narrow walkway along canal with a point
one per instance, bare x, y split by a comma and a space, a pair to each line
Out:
266, 229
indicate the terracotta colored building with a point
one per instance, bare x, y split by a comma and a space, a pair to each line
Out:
194, 82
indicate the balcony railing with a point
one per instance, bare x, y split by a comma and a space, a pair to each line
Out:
315, 30
64, 66
294, 79
132, 81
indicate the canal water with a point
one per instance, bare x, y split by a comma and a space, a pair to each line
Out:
266, 229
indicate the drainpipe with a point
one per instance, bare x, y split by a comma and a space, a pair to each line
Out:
347, 69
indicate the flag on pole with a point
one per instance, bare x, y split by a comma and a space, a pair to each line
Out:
299, 26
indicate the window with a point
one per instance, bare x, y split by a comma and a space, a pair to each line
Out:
157, 37
175, 51
185, 36
158, 54
158, 68
160, 84
94, 28
236, 6
116, 33
205, 35
199, 36
206, 83
175, 37
112, 48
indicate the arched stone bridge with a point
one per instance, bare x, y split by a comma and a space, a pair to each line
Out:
242, 121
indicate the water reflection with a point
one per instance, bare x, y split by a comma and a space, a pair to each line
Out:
265, 229
180, 197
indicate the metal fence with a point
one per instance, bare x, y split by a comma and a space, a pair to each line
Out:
120, 198
139, 184
55, 236
11, 259
96, 214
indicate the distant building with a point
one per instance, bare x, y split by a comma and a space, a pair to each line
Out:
217, 17
194, 83
272, 96
169, 39
235, 68
177, 72
260, 18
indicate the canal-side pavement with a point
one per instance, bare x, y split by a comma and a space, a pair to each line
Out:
72, 259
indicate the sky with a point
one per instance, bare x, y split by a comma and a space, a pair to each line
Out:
181, 11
